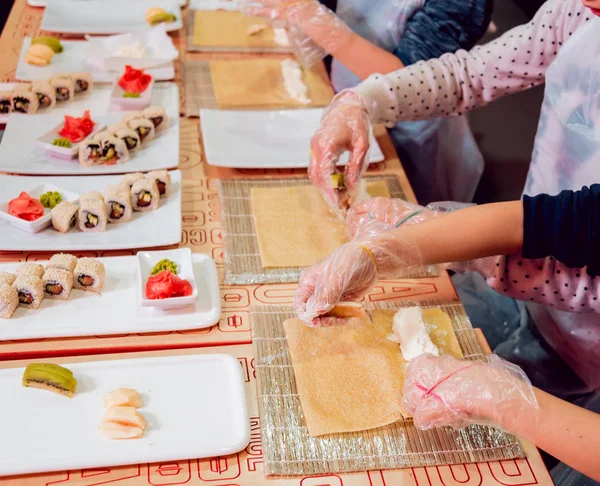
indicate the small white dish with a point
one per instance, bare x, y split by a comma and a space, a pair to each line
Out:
133, 104
40, 223
45, 141
185, 270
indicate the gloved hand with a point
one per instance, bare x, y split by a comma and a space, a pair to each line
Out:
344, 126
445, 391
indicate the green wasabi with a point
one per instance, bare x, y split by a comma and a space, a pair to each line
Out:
50, 199
62, 142
164, 264
128, 94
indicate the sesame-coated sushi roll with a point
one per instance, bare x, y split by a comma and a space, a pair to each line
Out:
30, 290
90, 152
62, 261
34, 269
132, 116
9, 300
5, 102
163, 181
63, 86
46, 95
118, 203
114, 150
92, 216
92, 195
144, 128
7, 278
115, 127
89, 275
158, 116
130, 138
24, 100
64, 216
58, 283
129, 179
144, 195
83, 82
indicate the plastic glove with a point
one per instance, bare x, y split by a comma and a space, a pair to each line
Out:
445, 391
344, 126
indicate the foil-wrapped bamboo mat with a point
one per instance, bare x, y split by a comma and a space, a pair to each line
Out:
288, 450
243, 265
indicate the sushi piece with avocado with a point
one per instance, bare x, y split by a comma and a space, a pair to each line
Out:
51, 377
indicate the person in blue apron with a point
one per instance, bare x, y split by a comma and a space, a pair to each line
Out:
440, 155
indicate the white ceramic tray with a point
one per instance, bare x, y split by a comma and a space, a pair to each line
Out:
117, 309
43, 3
145, 230
194, 407
264, 139
19, 152
73, 59
98, 102
94, 17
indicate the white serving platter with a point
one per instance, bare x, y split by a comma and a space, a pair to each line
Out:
96, 16
116, 310
264, 139
194, 407
43, 3
72, 59
98, 102
145, 230
19, 152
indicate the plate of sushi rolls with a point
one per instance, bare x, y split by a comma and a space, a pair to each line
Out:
121, 212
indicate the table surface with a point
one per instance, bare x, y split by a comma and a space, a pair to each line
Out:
202, 233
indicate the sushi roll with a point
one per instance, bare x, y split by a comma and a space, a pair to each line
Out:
163, 181
46, 95
118, 204
62, 261
7, 278
90, 153
92, 216
64, 216
129, 179
30, 290
114, 150
144, 128
158, 116
9, 300
144, 195
63, 86
5, 102
89, 275
130, 138
30, 269
92, 195
132, 116
83, 82
24, 100
115, 127
58, 283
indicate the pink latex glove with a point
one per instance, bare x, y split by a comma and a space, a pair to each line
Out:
345, 126
445, 391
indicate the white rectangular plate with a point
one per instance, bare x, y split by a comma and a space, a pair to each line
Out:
145, 230
43, 3
73, 59
194, 407
98, 102
264, 139
19, 152
96, 17
117, 309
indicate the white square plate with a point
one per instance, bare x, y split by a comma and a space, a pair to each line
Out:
45, 141
40, 223
145, 230
131, 104
96, 16
20, 154
116, 309
194, 407
73, 59
264, 139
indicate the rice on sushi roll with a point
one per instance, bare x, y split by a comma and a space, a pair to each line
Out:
92, 216
90, 152
24, 100
118, 203
144, 195
83, 82
63, 86
7, 278
132, 116
114, 150
9, 300
89, 275
5, 102
163, 181
143, 127
30, 269
30, 290
45, 94
58, 283
62, 261
115, 127
158, 116
92, 195
129, 179
130, 138
64, 216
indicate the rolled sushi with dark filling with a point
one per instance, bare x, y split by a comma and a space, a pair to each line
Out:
158, 116
45, 94
92, 216
163, 181
89, 275
82, 82
30, 290
63, 86
118, 203
58, 283
90, 153
64, 216
114, 150
143, 127
24, 101
5, 102
130, 138
145, 195
129, 179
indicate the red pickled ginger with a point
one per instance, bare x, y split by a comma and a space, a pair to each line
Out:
76, 129
165, 285
25, 207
